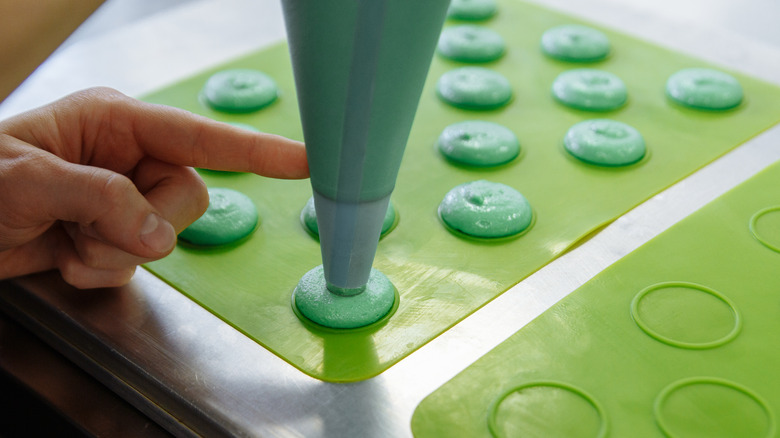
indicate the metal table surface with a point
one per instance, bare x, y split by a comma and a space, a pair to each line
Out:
194, 375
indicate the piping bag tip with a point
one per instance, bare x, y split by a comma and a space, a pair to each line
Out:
349, 236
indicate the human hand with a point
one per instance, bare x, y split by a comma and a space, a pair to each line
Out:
97, 183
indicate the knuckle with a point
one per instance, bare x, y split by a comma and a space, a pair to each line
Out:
96, 100
124, 276
200, 193
193, 194
33, 166
73, 272
200, 154
115, 278
110, 187
100, 111
91, 252
97, 94
81, 276
96, 254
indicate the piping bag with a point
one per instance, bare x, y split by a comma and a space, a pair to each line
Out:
360, 67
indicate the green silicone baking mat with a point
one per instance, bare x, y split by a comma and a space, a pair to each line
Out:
679, 338
442, 278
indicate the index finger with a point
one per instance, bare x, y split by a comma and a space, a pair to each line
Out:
180, 137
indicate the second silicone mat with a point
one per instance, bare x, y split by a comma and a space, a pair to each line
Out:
443, 278
679, 338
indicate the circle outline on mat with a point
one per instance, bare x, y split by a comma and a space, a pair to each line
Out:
220, 94
682, 344
573, 129
450, 90
677, 93
222, 239
487, 46
589, 98
484, 239
322, 291
753, 226
690, 381
450, 145
550, 47
493, 409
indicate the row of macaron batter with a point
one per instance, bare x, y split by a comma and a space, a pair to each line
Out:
486, 209
482, 208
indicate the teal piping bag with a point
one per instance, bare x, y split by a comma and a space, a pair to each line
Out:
360, 66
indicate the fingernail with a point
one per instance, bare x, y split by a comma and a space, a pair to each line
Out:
157, 234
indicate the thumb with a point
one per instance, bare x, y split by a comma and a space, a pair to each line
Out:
108, 207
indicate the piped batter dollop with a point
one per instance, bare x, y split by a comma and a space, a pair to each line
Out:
475, 88
486, 209
472, 10
605, 142
471, 43
316, 302
590, 89
240, 90
575, 43
704, 88
478, 143
230, 217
